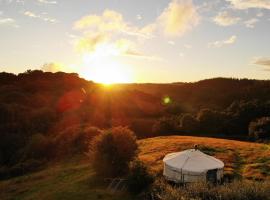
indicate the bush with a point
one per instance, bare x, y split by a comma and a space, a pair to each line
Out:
75, 139
112, 150
260, 128
139, 178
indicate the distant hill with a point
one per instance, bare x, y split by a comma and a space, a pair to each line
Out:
209, 93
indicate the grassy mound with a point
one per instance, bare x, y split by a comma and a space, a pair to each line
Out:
242, 159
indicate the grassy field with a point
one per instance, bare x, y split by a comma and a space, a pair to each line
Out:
71, 179
74, 179
242, 159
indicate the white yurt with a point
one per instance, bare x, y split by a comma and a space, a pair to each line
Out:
192, 165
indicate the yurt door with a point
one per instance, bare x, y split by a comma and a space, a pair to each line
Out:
211, 175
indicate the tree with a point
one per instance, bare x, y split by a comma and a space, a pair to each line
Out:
211, 121
189, 124
260, 128
112, 150
165, 125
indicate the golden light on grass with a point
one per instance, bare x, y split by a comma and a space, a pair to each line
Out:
238, 156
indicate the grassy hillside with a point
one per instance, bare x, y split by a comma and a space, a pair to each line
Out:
74, 178
242, 159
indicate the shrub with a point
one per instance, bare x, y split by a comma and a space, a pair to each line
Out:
139, 178
75, 139
260, 128
112, 150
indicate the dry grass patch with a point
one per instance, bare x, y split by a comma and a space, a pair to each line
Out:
242, 159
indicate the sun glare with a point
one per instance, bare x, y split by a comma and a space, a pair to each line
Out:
102, 66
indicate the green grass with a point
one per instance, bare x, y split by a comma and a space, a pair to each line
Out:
67, 180
212, 150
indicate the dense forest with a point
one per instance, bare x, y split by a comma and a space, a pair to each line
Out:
45, 115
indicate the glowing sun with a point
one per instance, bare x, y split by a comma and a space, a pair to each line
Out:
102, 66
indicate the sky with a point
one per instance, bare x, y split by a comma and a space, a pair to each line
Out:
137, 41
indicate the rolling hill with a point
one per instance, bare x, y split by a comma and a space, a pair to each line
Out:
74, 178
242, 159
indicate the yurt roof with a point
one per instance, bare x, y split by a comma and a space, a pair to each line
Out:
192, 160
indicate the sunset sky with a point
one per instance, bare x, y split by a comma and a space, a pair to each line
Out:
139, 40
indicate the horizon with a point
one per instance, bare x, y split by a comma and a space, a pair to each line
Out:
119, 83
137, 42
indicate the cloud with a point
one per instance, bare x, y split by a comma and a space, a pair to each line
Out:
109, 31
139, 55
178, 18
89, 42
262, 61
251, 23
101, 45
37, 16
104, 31
218, 44
47, 2
138, 17
53, 67
8, 22
111, 22
225, 19
12, 1
106, 35
246, 4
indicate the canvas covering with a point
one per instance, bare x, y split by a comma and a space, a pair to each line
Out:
190, 165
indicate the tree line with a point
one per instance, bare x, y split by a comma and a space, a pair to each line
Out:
45, 116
